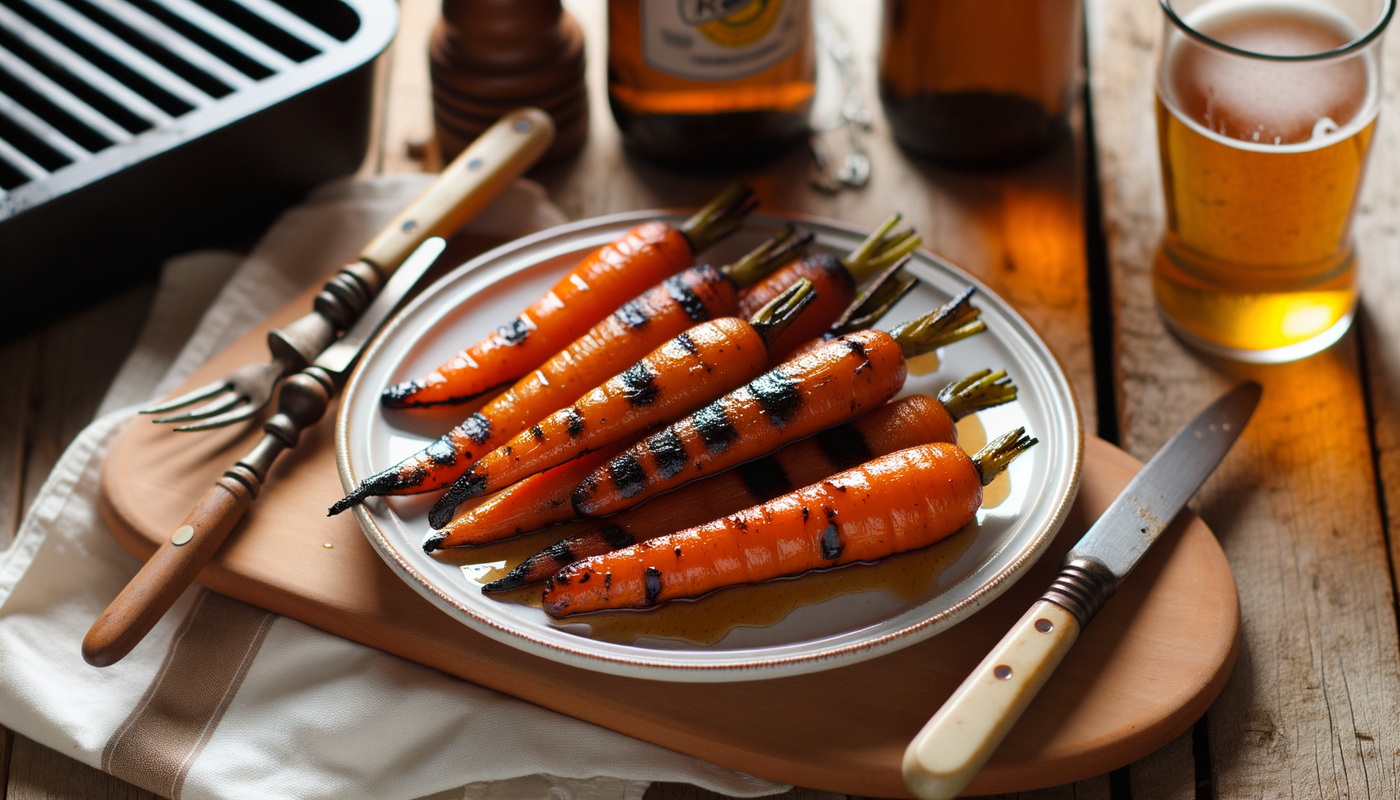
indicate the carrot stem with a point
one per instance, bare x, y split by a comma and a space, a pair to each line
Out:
767, 257
856, 261
719, 218
774, 318
895, 249
1000, 452
980, 390
871, 305
952, 322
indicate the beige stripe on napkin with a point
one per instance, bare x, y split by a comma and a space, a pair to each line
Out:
209, 656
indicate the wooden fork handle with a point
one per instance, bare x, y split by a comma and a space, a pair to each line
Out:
164, 577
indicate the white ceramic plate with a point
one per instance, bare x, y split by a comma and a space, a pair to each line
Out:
783, 628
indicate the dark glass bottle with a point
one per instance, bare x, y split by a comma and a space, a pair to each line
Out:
710, 84
979, 83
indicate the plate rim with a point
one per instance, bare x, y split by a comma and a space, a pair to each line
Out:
641, 666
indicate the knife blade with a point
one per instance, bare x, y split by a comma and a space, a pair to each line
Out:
945, 756
301, 402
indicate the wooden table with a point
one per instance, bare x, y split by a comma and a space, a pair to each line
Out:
1313, 706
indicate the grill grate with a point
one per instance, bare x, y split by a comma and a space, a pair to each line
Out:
88, 87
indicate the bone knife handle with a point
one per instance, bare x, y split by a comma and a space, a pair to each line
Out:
954, 745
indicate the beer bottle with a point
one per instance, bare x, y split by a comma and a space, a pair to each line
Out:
978, 83
710, 84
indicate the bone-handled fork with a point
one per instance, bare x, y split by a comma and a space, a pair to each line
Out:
473, 179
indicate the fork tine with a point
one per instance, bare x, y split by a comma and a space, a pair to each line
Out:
227, 418
214, 407
202, 393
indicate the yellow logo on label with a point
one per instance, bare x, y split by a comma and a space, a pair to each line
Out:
742, 27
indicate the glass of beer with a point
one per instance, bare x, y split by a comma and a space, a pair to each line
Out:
1265, 115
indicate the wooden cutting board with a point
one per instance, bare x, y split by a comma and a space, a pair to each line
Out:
1142, 673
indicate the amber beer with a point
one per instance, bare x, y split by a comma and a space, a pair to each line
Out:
1261, 164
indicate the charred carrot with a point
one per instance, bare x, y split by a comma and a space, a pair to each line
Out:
495, 520
700, 364
910, 422
898, 502
835, 281
604, 280
833, 382
538, 501
638, 327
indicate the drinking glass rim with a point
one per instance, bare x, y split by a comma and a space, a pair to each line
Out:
1346, 49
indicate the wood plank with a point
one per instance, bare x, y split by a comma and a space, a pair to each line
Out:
39, 773
78, 357
19, 363
1313, 706
408, 110
6, 743
1168, 774
60, 375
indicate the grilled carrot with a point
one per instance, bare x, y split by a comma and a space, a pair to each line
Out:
831, 383
638, 327
604, 280
897, 502
535, 502
489, 522
910, 422
835, 281
698, 365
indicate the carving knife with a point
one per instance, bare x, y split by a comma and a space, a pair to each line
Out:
954, 745
302, 401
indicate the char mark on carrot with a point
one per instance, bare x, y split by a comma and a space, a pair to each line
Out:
562, 553
778, 395
831, 543
442, 453
477, 428
397, 395
686, 298
716, 431
616, 537
653, 582
575, 422
464, 488
514, 332
844, 447
537, 432
632, 314
688, 344
764, 478
639, 384
629, 476
668, 450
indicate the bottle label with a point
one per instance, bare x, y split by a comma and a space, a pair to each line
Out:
719, 40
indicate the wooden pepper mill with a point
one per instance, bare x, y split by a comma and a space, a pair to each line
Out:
488, 57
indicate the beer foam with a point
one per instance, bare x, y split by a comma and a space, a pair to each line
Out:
1268, 104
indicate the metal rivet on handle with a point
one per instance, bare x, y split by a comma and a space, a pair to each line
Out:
1044, 625
409, 225
522, 125
182, 535
475, 163
1002, 672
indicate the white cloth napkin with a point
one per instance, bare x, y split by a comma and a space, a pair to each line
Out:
293, 711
